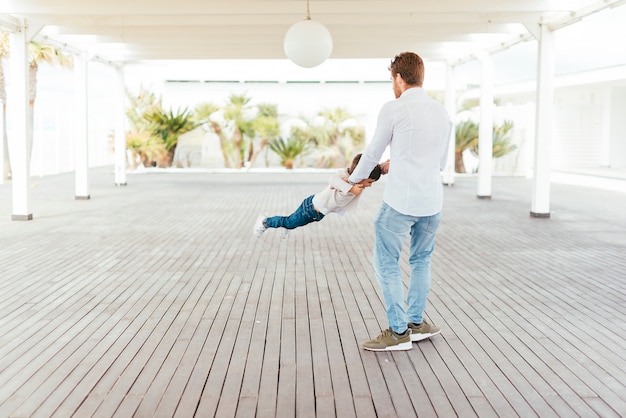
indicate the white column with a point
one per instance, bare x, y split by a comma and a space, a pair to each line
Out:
450, 103
19, 128
81, 147
485, 130
120, 131
540, 202
3, 147
605, 129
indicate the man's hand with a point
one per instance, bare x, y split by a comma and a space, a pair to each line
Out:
384, 167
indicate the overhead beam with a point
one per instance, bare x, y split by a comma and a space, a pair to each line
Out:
9, 23
432, 31
576, 16
486, 21
138, 7
249, 35
553, 24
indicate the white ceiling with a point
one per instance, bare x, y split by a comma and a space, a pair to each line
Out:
138, 30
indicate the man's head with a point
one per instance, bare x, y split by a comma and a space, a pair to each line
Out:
407, 70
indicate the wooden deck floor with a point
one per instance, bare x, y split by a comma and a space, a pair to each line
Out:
154, 299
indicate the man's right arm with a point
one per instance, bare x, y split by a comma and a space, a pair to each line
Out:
373, 152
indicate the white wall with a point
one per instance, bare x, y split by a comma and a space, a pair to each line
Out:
580, 113
580, 126
53, 143
617, 128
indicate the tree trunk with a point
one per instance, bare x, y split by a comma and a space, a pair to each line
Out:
32, 90
459, 166
5, 144
238, 139
6, 172
254, 154
220, 135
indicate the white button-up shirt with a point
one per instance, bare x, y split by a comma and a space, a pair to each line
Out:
417, 129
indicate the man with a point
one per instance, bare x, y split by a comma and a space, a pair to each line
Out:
417, 130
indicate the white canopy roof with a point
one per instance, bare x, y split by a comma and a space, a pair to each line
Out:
137, 30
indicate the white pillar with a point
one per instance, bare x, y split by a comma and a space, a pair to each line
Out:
485, 130
19, 128
450, 103
120, 131
81, 147
540, 205
3, 148
605, 129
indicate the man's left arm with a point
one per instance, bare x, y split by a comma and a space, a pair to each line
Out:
444, 157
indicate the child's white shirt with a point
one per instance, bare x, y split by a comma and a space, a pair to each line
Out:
336, 197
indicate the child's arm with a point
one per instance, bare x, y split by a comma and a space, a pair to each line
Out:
341, 184
356, 189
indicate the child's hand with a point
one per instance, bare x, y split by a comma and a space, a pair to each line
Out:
356, 189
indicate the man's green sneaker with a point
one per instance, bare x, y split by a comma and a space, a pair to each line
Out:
423, 330
389, 340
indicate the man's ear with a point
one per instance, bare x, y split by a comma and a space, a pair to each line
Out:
399, 80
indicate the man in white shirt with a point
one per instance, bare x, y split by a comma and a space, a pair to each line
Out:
417, 129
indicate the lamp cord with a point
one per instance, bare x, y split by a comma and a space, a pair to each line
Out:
308, 13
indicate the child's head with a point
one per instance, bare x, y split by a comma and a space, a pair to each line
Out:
374, 175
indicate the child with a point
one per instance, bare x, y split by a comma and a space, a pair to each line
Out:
337, 197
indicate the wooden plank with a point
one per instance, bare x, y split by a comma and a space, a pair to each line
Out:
245, 313
49, 354
339, 379
91, 344
213, 321
268, 389
287, 373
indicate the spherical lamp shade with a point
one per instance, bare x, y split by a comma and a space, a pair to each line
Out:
308, 43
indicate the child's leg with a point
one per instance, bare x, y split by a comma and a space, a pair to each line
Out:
305, 214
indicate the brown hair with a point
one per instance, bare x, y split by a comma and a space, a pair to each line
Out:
376, 171
410, 67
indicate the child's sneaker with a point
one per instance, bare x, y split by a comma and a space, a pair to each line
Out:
259, 226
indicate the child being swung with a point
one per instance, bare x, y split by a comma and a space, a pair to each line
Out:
338, 197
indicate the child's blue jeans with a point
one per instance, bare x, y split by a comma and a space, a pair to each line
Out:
305, 214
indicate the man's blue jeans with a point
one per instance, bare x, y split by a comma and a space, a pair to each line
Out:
391, 229
305, 214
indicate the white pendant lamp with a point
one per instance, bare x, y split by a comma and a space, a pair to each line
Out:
308, 43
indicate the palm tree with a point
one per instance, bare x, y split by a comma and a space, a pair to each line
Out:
242, 130
467, 138
266, 127
203, 115
42, 53
502, 140
168, 126
141, 141
38, 53
466, 135
340, 136
288, 149
237, 115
